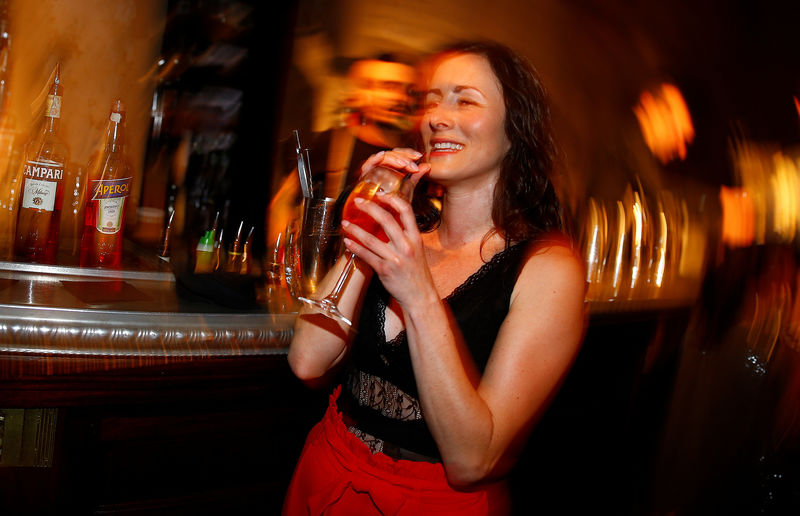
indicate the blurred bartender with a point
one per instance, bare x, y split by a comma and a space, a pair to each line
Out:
378, 110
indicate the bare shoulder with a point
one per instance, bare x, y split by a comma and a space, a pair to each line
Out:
552, 265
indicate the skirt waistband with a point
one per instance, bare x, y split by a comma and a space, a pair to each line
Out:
388, 448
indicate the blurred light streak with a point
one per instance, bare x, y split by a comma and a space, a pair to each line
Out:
636, 241
665, 122
737, 217
620, 249
662, 248
595, 244
786, 188
645, 247
769, 196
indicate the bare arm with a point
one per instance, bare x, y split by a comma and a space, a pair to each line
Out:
319, 343
477, 427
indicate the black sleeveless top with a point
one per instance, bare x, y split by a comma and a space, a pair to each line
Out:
379, 390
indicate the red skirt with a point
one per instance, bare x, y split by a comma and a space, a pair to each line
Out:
338, 475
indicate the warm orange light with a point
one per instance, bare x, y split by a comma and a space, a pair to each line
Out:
738, 217
665, 122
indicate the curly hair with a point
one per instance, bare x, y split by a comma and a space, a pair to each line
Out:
525, 203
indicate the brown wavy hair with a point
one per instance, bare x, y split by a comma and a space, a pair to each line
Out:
525, 204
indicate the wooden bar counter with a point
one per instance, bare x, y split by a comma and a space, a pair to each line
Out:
121, 394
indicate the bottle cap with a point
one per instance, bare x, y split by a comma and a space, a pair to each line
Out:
207, 242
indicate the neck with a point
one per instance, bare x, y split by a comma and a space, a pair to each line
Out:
466, 215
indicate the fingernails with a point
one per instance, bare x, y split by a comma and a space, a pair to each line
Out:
345, 223
359, 201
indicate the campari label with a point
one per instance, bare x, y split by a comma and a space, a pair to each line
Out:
41, 183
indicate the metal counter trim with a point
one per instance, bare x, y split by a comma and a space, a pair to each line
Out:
44, 340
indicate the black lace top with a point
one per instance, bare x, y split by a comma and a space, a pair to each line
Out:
379, 391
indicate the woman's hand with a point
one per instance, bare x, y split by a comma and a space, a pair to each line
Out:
399, 263
398, 159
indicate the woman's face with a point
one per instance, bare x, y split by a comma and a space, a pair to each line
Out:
463, 124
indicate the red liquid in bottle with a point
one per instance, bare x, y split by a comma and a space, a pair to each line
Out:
42, 192
107, 192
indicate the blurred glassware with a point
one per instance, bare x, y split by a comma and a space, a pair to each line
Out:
277, 297
319, 242
290, 258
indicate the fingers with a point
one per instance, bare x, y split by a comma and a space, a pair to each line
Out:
423, 168
362, 252
396, 218
403, 209
399, 159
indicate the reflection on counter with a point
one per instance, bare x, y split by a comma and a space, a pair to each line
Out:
644, 247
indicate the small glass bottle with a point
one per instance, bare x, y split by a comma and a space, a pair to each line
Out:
234, 261
42, 188
108, 188
246, 265
204, 255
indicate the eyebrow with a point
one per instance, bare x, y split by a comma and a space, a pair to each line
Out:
457, 89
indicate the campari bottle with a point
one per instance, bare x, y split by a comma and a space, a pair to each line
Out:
42, 188
108, 188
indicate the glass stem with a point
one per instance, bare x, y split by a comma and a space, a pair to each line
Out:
334, 295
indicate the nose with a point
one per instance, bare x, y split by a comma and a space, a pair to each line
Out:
439, 118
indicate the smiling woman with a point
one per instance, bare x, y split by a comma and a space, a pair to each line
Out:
466, 328
463, 121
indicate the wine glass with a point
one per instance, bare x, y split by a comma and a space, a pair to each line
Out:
378, 179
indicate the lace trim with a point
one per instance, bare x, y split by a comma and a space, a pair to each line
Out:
374, 444
473, 278
481, 272
381, 395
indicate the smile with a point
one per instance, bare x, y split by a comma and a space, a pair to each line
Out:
446, 146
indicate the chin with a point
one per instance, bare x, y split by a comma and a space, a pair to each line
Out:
439, 174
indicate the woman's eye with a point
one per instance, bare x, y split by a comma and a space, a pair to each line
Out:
466, 102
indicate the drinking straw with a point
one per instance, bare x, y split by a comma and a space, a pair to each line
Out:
307, 164
302, 167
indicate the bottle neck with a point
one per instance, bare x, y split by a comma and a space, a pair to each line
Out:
115, 140
115, 135
52, 115
51, 124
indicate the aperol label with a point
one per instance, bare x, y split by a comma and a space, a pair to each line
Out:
111, 188
109, 201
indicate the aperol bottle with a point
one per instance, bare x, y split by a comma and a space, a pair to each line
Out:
108, 188
42, 191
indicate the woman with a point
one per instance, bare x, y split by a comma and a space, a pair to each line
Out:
467, 327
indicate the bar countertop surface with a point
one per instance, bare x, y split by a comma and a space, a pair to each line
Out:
64, 320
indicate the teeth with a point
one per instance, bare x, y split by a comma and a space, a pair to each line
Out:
448, 145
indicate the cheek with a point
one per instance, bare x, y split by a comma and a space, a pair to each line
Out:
492, 133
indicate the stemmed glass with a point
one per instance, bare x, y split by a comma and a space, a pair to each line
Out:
378, 179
